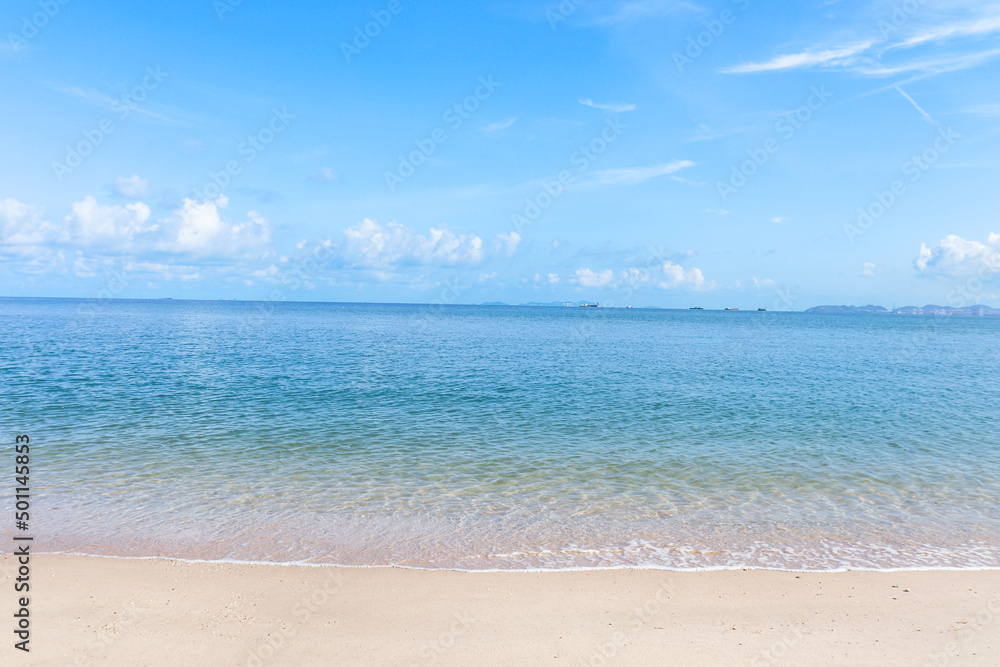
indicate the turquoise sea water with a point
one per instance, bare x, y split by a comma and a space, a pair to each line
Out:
509, 438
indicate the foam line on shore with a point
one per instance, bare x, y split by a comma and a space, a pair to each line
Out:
719, 568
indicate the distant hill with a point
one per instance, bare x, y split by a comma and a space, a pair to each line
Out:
848, 309
977, 310
494, 303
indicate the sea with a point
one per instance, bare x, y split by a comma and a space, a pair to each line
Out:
505, 438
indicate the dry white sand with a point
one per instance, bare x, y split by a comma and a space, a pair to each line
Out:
101, 611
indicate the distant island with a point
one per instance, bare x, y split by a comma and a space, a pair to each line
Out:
977, 310
556, 304
547, 304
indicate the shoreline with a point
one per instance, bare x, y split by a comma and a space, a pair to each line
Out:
596, 568
126, 610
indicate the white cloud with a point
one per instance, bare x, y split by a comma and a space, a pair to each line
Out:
24, 225
372, 245
633, 175
509, 242
112, 227
269, 272
614, 108
97, 235
198, 228
195, 228
779, 220
868, 270
132, 186
634, 277
180, 272
674, 276
955, 256
589, 278
766, 283
82, 268
548, 279
500, 125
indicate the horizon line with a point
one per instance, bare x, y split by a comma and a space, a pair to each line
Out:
501, 304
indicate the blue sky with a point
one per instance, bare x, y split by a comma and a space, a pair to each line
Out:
660, 153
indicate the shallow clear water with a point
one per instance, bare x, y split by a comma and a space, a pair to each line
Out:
491, 437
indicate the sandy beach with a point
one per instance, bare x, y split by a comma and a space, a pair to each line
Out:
103, 611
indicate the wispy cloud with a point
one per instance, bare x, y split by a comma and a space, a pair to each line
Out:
260, 195
703, 133
916, 106
938, 33
803, 59
869, 57
141, 99
614, 108
500, 125
616, 13
325, 175
132, 186
307, 155
633, 175
928, 66
981, 109
106, 101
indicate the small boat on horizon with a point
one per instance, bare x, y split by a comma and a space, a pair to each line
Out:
696, 308
730, 308
762, 310
590, 305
